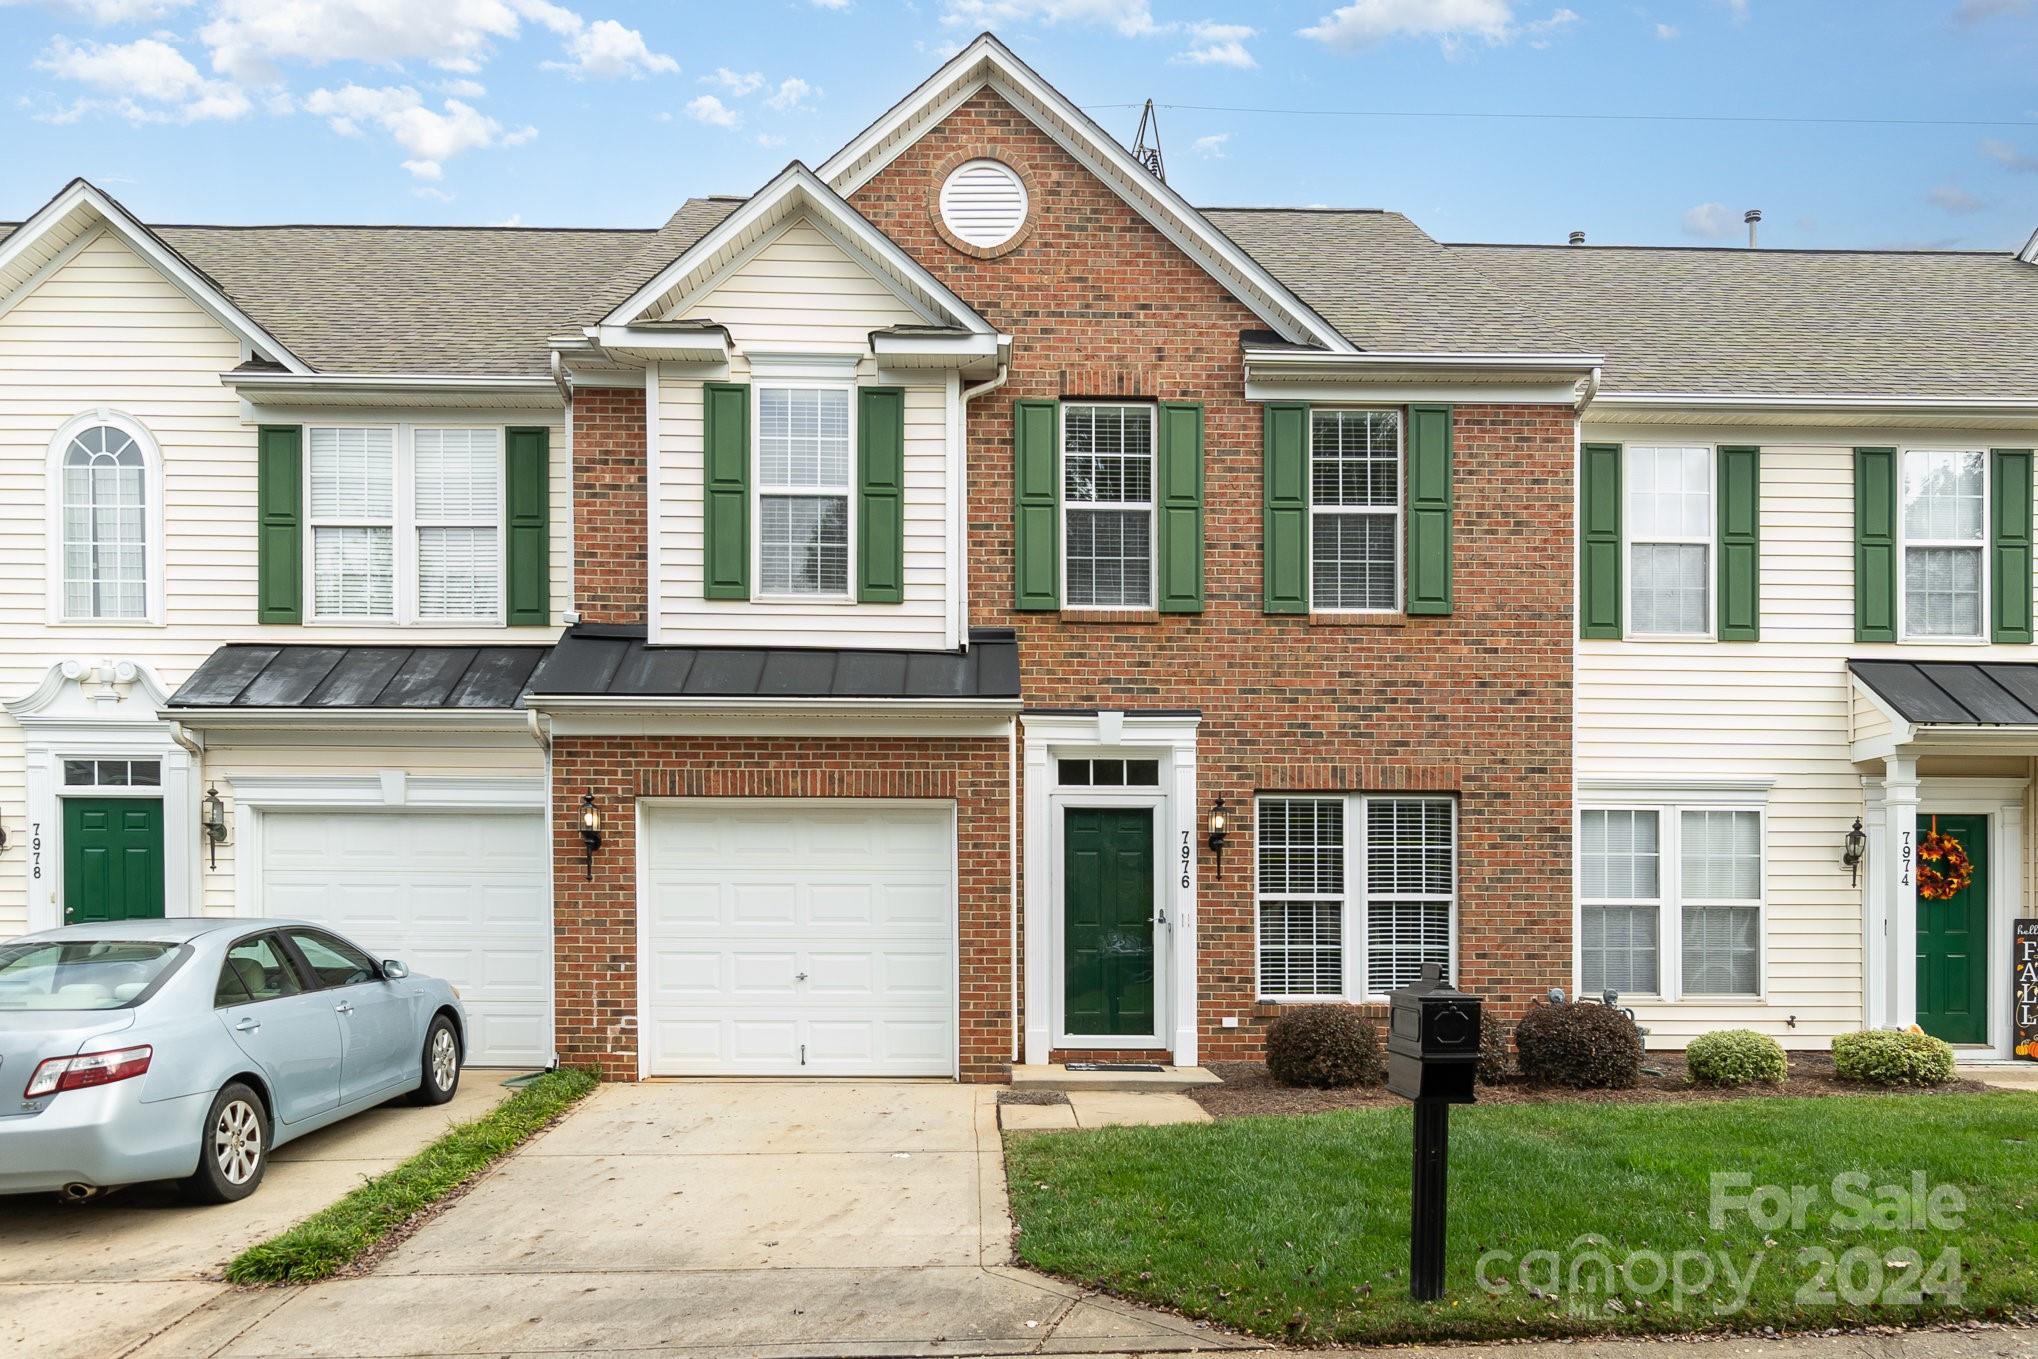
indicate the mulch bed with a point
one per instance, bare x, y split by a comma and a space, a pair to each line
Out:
1248, 1090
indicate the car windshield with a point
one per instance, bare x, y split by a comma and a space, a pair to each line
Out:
81, 974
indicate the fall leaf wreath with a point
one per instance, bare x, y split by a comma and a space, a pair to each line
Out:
1943, 866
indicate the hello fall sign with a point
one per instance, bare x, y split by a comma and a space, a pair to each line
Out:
2024, 950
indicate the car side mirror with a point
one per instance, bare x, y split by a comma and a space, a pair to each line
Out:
392, 970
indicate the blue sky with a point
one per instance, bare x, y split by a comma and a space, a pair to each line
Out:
610, 112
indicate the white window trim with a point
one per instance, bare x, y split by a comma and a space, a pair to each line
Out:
758, 383
1709, 541
1354, 934
1670, 804
1904, 544
1147, 506
404, 525
153, 518
1398, 514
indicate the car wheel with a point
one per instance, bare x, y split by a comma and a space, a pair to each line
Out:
234, 1150
442, 1063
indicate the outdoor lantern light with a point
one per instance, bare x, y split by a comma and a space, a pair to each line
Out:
590, 829
1217, 831
214, 824
1856, 850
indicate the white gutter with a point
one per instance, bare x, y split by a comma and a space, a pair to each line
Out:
185, 738
480, 385
1586, 396
1376, 360
341, 719
559, 379
538, 732
735, 704
988, 385
1915, 405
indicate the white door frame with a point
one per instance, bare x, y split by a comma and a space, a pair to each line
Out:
1170, 738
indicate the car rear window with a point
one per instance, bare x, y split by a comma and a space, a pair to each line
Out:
82, 974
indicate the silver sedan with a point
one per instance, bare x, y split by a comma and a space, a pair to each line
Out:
190, 1049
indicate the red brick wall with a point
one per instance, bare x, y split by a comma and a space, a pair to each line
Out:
1478, 703
595, 922
610, 577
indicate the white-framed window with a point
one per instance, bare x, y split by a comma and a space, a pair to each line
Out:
1670, 525
1107, 472
106, 521
1355, 893
1355, 511
803, 442
404, 523
1670, 900
1945, 543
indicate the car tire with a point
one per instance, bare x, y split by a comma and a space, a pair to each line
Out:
441, 1077
233, 1151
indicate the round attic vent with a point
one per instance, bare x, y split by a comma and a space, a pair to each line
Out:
984, 203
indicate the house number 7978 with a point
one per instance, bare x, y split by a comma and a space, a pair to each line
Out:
35, 850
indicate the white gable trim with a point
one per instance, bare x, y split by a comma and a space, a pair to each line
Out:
75, 211
795, 192
987, 62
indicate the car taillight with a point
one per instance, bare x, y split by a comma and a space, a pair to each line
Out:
93, 1068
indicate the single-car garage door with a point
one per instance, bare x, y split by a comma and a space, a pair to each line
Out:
459, 895
799, 938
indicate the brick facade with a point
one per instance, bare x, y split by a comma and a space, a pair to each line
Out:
611, 574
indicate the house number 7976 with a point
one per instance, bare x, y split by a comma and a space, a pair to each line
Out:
1188, 859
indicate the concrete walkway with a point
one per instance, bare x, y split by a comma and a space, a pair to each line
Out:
714, 1218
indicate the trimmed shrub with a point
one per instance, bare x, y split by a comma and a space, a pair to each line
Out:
1496, 1063
1325, 1046
1889, 1057
1586, 1047
1732, 1057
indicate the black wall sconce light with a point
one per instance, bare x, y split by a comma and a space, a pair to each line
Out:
590, 829
1219, 827
1855, 852
213, 823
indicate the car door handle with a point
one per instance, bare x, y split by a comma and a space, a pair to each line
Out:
249, 1025
345, 1007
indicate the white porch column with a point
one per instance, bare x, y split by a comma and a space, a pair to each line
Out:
2005, 905
1875, 898
1899, 871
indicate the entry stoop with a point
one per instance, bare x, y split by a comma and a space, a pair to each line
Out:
1059, 1077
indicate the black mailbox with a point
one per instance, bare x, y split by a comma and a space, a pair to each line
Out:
1433, 1040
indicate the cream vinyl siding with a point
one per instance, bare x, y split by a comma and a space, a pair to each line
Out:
106, 329
1780, 709
801, 294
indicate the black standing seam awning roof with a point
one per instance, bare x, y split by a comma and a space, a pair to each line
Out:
1956, 693
246, 675
602, 661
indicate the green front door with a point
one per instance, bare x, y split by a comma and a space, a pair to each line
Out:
1953, 943
1107, 929
113, 859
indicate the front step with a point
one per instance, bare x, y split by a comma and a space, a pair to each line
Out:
1058, 1077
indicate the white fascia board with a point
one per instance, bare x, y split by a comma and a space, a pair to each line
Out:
652, 345
1405, 391
1279, 362
138, 238
348, 719
805, 723
966, 352
2029, 254
705, 703
1811, 401
1411, 377
986, 61
269, 387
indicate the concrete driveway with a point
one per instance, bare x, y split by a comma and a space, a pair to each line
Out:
724, 1218
96, 1278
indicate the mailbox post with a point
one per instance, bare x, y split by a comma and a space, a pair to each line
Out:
1433, 1059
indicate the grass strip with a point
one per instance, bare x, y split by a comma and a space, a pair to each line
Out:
336, 1236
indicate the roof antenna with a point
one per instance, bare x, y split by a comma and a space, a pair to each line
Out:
1751, 217
1150, 156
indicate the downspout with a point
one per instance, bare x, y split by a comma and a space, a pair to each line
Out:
183, 736
1012, 859
559, 379
538, 732
988, 385
1588, 392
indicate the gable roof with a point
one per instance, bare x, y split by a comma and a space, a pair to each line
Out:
988, 63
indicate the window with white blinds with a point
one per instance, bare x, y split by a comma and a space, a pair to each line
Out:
1669, 519
1107, 454
1355, 893
1355, 511
106, 517
405, 523
803, 441
1670, 900
1944, 518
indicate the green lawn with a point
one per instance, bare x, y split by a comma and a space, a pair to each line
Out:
1297, 1228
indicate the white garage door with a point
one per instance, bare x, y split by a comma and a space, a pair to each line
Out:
799, 938
459, 895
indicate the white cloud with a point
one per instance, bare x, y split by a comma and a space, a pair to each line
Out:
792, 93
1451, 22
144, 81
1666, 32
106, 12
831, 4
1738, 8
463, 88
712, 111
425, 169
431, 136
515, 219
769, 141
1709, 221
1133, 18
2008, 156
1213, 44
436, 195
605, 50
738, 83
1953, 199
1212, 146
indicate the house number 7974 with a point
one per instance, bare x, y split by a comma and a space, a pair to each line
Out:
1905, 879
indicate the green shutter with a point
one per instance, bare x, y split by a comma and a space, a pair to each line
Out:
1285, 493
1740, 535
725, 513
279, 524
527, 506
1429, 509
2010, 543
880, 495
1599, 564
1036, 482
1875, 544
1180, 506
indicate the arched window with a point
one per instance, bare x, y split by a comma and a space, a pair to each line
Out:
105, 514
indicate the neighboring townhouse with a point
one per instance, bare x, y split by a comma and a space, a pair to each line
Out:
963, 606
